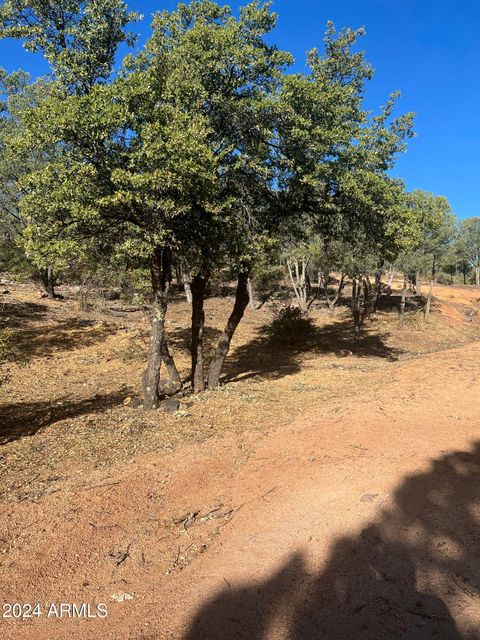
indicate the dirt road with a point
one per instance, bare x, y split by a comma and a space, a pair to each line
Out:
359, 520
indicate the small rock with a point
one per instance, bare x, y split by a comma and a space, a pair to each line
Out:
170, 405
344, 353
111, 295
368, 497
5, 291
121, 596
133, 402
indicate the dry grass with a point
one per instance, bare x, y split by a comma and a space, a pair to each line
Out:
67, 372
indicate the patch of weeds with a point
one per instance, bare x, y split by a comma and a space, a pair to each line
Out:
131, 352
181, 413
88, 301
248, 397
5, 345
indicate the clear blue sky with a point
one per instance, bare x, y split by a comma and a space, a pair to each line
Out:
428, 49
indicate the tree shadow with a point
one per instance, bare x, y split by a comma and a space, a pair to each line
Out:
21, 419
272, 355
406, 576
31, 338
180, 339
14, 315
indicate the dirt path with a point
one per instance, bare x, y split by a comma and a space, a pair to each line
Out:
358, 520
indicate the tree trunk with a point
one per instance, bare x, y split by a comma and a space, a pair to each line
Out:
298, 285
378, 289
418, 284
390, 282
322, 283
477, 275
47, 281
403, 301
241, 302
175, 380
251, 304
428, 304
356, 308
161, 273
199, 285
187, 285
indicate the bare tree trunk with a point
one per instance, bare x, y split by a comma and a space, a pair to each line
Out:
428, 304
418, 284
161, 273
241, 302
175, 380
403, 301
178, 275
298, 284
251, 304
477, 275
187, 285
199, 285
390, 282
378, 289
47, 281
322, 283
356, 307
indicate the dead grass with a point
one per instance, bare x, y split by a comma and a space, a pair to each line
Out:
66, 374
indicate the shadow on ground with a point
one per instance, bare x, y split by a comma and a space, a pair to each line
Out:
32, 337
406, 576
26, 418
273, 354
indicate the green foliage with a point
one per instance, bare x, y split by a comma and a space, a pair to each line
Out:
78, 38
435, 222
290, 327
469, 241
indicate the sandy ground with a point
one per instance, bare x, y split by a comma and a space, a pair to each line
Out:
353, 512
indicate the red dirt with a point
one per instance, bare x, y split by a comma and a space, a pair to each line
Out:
358, 519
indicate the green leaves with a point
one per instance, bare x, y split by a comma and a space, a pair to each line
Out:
203, 141
78, 38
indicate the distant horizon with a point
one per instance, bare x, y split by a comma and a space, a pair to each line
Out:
423, 49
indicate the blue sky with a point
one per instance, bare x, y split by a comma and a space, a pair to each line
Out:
428, 49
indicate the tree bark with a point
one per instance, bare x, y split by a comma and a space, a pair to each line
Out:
418, 284
322, 283
403, 301
378, 288
161, 274
241, 302
298, 284
428, 304
175, 383
251, 303
356, 307
47, 281
187, 285
477, 276
199, 285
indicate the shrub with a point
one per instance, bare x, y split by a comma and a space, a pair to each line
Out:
290, 327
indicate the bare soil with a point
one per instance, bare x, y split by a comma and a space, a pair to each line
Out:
312, 496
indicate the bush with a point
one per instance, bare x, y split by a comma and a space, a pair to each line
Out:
266, 278
290, 327
444, 278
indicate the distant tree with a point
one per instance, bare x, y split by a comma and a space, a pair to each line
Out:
436, 224
469, 244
